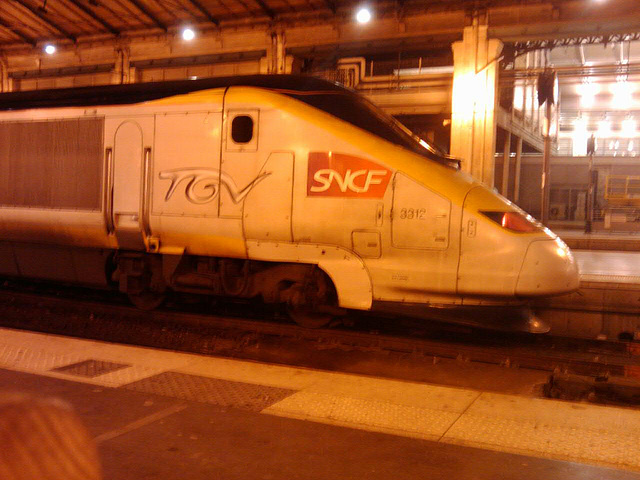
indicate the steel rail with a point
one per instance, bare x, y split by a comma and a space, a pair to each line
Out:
239, 337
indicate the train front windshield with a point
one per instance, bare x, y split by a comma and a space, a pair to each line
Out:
361, 113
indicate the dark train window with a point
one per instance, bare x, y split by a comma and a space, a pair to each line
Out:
242, 129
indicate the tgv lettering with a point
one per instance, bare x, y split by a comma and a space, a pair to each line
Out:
326, 176
201, 184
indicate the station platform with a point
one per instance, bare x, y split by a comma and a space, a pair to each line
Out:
599, 239
163, 414
607, 305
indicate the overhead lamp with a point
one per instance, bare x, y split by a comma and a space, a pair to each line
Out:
363, 15
188, 34
50, 49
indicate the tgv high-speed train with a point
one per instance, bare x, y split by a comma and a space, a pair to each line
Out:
287, 188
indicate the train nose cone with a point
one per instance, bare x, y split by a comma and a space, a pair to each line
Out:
548, 269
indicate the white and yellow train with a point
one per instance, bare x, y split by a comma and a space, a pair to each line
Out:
288, 188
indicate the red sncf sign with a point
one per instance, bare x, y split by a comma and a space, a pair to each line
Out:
339, 175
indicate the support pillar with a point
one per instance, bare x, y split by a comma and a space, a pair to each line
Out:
518, 168
506, 160
545, 185
475, 83
5, 81
276, 60
123, 71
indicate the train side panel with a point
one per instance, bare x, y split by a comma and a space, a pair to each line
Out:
346, 197
51, 198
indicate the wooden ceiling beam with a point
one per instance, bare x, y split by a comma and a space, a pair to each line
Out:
18, 33
94, 16
40, 13
148, 14
205, 12
332, 6
270, 13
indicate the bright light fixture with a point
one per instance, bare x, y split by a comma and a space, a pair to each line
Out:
363, 15
188, 34
588, 92
604, 128
622, 94
580, 136
50, 49
629, 128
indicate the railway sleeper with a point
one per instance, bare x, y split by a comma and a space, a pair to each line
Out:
603, 388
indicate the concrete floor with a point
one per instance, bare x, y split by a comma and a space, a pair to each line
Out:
166, 415
189, 440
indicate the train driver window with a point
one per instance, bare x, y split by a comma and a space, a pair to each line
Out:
242, 129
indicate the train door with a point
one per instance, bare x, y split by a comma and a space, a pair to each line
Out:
240, 163
128, 143
421, 235
267, 210
420, 218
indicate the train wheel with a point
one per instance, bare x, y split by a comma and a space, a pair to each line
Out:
147, 300
311, 301
306, 317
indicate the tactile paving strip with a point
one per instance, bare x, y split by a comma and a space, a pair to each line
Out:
618, 449
367, 414
246, 396
90, 368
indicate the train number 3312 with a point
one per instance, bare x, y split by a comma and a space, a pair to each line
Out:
413, 213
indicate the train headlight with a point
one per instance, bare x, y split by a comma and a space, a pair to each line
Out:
515, 221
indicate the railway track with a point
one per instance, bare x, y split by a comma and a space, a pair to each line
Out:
364, 345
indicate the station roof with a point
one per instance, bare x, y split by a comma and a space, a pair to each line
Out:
32, 22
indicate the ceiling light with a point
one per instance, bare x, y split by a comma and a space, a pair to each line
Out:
50, 49
188, 34
363, 15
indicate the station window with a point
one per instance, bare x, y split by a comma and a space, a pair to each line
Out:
242, 129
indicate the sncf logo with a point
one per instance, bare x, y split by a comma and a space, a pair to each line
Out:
338, 175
